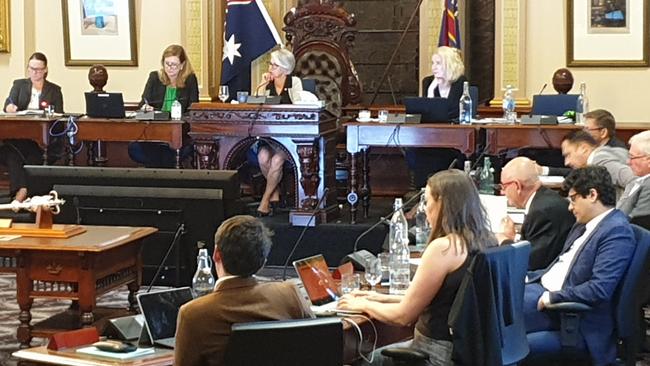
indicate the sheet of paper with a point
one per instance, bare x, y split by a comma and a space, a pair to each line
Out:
496, 208
8, 237
551, 179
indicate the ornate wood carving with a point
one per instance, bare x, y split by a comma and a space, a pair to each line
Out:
321, 32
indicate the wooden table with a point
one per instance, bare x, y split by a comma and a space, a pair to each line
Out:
43, 356
362, 136
27, 127
79, 268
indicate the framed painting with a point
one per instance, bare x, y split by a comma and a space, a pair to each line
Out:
5, 27
607, 33
99, 32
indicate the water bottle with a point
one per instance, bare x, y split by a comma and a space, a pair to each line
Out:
582, 105
397, 222
203, 281
422, 227
176, 110
467, 168
509, 113
400, 269
486, 182
465, 106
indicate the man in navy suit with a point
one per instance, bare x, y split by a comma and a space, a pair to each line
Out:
588, 270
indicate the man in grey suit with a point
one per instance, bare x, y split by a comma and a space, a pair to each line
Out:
580, 150
242, 244
635, 201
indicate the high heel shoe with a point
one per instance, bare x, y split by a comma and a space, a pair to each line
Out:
264, 214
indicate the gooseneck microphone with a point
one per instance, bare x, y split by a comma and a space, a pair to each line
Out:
295, 246
543, 87
361, 257
180, 230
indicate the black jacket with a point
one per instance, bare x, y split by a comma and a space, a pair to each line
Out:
154, 92
21, 94
546, 227
455, 93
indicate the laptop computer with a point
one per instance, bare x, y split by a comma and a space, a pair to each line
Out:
553, 104
104, 105
160, 311
431, 109
318, 282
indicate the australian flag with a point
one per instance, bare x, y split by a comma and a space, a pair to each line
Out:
249, 33
450, 30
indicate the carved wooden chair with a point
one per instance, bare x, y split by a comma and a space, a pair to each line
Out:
320, 33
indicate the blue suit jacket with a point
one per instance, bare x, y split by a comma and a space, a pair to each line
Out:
592, 279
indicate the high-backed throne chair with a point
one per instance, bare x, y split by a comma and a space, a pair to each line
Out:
320, 33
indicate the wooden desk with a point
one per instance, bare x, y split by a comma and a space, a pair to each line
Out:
79, 268
43, 356
127, 130
27, 127
503, 137
362, 136
223, 133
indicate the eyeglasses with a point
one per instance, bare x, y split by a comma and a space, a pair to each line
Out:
592, 129
504, 185
36, 69
634, 157
572, 197
172, 65
273, 65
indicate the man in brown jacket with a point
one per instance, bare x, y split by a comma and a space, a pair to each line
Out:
241, 246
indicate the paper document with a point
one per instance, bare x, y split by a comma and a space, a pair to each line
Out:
92, 350
496, 208
551, 179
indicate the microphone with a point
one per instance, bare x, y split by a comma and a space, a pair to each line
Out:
360, 258
543, 87
180, 230
295, 245
75, 203
453, 164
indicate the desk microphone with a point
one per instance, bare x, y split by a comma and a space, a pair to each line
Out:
543, 87
180, 230
453, 164
311, 217
362, 257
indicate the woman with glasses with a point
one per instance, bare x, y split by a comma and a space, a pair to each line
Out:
175, 80
34, 92
270, 157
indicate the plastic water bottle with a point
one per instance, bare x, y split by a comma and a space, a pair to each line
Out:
465, 106
582, 105
176, 110
509, 113
486, 182
203, 280
399, 224
422, 227
400, 269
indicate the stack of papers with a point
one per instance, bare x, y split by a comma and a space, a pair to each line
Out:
92, 350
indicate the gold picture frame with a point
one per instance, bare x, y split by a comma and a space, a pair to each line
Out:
94, 34
5, 26
616, 36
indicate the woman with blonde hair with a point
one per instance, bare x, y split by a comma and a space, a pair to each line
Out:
459, 229
175, 80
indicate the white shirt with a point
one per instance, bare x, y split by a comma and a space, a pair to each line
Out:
528, 203
33, 102
554, 278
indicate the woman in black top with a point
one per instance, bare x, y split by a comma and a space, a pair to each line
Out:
33, 92
446, 82
458, 229
174, 81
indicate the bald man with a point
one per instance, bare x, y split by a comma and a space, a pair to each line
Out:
548, 219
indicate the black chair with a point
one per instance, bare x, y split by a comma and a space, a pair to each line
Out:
314, 342
309, 85
486, 319
643, 221
567, 345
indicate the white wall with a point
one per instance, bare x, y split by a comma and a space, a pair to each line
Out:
158, 24
622, 91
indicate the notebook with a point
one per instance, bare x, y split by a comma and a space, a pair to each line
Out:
160, 311
431, 109
104, 105
318, 282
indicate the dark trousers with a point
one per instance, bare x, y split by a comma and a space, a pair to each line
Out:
424, 162
537, 320
16, 153
157, 154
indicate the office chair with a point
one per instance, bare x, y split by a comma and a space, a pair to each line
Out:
309, 85
314, 342
567, 344
486, 319
643, 221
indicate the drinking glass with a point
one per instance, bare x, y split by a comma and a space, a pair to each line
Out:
373, 272
350, 282
383, 115
223, 93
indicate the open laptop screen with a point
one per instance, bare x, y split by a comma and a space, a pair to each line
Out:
104, 105
431, 109
317, 279
160, 311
